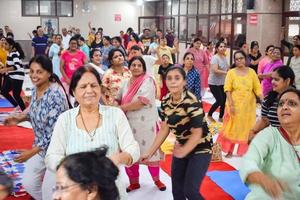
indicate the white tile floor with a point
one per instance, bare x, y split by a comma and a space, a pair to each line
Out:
148, 190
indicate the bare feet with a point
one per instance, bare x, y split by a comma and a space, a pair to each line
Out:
229, 155
211, 119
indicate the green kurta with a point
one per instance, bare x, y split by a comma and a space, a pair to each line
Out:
271, 154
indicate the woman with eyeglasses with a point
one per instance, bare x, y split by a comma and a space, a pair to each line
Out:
266, 73
114, 77
78, 177
216, 78
271, 166
241, 87
282, 78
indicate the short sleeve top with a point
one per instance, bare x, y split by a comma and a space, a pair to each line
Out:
184, 116
218, 79
72, 61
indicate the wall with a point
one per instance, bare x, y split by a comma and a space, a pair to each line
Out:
101, 15
268, 27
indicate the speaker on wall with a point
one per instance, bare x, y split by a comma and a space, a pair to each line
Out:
250, 4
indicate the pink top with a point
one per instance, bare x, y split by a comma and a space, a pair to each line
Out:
267, 82
262, 64
201, 59
208, 54
73, 61
201, 64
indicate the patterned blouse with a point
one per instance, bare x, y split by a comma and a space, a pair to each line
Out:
112, 81
184, 116
193, 82
43, 114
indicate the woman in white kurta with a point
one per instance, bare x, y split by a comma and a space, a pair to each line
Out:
90, 125
137, 100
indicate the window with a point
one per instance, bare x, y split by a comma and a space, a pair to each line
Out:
47, 7
203, 6
192, 9
64, 8
183, 7
226, 6
30, 7
61, 8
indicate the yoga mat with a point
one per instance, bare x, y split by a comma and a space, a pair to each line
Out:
230, 182
5, 104
209, 189
3, 115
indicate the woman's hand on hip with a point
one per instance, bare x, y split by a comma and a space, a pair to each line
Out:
179, 151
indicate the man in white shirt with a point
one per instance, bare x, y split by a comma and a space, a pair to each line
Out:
65, 38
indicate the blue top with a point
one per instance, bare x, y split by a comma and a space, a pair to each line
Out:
43, 114
86, 50
40, 45
105, 50
193, 82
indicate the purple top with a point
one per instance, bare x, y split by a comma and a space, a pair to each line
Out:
267, 82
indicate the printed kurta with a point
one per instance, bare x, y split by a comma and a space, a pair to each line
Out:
143, 121
112, 81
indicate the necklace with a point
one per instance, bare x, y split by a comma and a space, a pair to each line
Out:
91, 134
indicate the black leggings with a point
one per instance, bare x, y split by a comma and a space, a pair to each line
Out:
15, 86
220, 96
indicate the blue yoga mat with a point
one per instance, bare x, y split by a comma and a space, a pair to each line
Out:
5, 104
230, 182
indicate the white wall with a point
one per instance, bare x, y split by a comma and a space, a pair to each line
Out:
101, 14
11, 15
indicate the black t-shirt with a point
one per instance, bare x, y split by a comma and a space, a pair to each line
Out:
251, 57
162, 70
184, 116
95, 45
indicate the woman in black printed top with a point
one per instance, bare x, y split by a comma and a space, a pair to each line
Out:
13, 74
282, 78
182, 114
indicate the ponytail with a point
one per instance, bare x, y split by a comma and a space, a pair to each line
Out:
19, 49
54, 78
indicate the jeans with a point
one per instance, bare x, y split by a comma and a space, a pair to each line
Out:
187, 176
220, 96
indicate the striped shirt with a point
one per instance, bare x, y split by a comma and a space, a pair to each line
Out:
13, 60
270, 113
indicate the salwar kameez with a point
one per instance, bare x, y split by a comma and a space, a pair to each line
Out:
236, 127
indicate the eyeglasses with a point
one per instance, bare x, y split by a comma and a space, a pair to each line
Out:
240, 58
290, 103
61, 188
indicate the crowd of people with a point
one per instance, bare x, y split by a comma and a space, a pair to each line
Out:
97, 96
